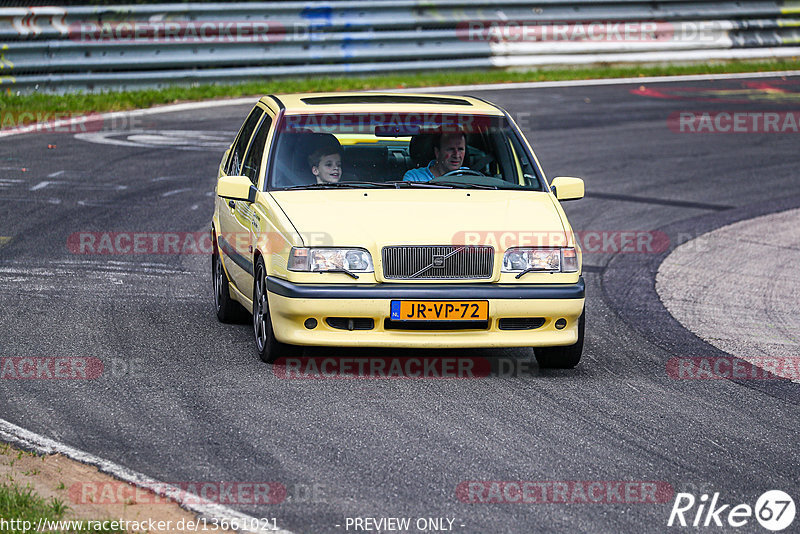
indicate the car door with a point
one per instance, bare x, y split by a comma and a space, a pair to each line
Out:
243, 220
233, 243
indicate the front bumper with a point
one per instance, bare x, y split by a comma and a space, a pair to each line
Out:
292, 304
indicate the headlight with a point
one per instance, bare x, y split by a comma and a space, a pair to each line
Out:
518, 260
330, 259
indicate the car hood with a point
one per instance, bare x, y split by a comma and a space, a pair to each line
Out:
365, 217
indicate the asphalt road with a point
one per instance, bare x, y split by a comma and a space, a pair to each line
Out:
184, 398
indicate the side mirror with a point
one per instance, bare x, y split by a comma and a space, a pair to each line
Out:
236, 188
567, 188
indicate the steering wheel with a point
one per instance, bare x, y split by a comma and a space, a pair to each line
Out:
464, 171
482, 162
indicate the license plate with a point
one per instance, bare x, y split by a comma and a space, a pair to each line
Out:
440, 310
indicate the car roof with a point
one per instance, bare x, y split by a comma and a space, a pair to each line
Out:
369, 102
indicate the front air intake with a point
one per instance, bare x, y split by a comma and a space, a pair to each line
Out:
520, 323
350, 323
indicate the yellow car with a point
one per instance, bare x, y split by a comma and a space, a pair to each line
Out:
394, 220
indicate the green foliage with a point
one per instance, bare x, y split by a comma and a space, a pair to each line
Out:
18, 503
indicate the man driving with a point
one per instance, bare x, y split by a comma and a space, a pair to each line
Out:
448, 150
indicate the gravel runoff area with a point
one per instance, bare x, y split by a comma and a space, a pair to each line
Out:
738, 288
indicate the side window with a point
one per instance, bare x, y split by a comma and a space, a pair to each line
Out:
252, 160
234, 165
529, 175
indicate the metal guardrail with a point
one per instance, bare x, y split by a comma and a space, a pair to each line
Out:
116, 47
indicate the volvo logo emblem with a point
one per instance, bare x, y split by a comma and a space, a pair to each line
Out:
437, 261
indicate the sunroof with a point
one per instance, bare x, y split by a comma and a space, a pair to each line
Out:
378, 99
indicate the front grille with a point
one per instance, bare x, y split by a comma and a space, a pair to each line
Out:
441, 262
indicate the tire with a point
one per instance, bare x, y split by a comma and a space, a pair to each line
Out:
562, 357
228, 310
269, 349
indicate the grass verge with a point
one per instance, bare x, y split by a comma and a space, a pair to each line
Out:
21, 510
36, 487
11, 105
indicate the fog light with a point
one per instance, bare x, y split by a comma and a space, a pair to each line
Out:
561, 323
310, 323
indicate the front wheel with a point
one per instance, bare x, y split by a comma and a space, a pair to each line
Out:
562, 357
269, 349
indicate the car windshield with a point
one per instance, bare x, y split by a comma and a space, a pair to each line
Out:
400, 150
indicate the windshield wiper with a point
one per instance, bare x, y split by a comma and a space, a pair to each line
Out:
405, 183
345, 271
351, 185
466, 185
526, 271
531, 270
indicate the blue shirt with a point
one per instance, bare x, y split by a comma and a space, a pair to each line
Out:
420, 174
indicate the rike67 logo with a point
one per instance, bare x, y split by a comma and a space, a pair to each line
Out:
774, 510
